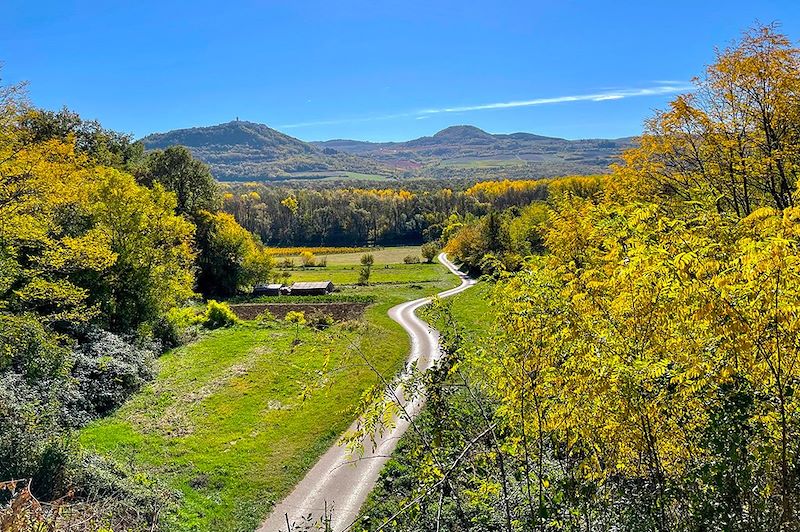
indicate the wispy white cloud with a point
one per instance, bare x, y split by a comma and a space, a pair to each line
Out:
606, 95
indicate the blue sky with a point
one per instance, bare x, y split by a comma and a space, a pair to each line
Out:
373, 70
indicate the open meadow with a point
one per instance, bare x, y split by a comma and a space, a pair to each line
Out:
233, 420
343, 268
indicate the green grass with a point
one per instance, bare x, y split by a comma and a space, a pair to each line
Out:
381, 274
226, 423
388, 255
471, 311
343, 268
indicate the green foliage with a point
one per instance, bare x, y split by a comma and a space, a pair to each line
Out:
295, 317
103, 146
177, 327
189, 179
230, 258
410, 259
322, 321
218, 315
364, 275
34, 376
429, 251
366, 268
153, 271
107, 369
500, 241
266, 317
643, 371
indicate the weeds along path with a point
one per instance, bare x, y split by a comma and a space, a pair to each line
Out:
339, 483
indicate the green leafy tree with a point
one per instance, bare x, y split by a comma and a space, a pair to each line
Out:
154, 269
177, 171
229, 258
101, 145
367, 260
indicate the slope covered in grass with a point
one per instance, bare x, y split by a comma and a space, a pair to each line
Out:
235, 419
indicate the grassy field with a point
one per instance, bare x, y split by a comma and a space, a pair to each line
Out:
386, 274
389, 255
235, 419
343, 268
470, 309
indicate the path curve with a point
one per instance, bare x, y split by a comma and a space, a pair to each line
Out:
338, 481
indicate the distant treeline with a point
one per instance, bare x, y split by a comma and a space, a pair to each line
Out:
288, 215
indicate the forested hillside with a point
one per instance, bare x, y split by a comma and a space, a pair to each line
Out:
245, 151
454, 150
640, 368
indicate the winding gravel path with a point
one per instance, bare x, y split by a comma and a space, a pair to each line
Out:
338, 482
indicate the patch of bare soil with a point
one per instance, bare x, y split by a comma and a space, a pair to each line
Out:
338, 311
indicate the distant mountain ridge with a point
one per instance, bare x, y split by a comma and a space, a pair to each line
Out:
241, 150
464, 144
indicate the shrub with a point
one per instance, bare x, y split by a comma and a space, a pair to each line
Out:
299, 319
322, 321
108, 368
125, 499
367, 260
429, 251
411, 259
308, 259
219, 315
179, 326
30, 433
266, 317
363, 275
34, 376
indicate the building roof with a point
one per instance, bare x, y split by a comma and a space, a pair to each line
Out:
271, 286
311, 285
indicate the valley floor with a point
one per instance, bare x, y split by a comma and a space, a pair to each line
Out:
235, 419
